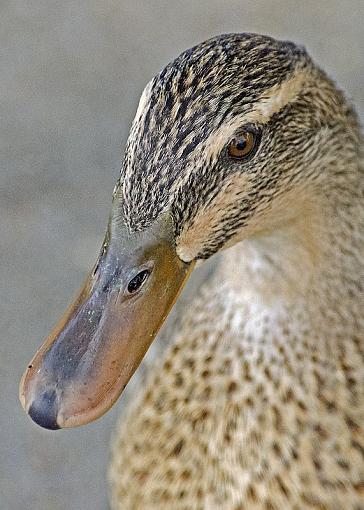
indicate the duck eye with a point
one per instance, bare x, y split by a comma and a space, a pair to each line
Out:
242, 145
138, 281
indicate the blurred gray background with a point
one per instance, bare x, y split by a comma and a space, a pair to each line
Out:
71, 75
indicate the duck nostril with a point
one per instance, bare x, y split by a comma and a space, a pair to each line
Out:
44, 410
138, 281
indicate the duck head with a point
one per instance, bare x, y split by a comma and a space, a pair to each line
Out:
221, 137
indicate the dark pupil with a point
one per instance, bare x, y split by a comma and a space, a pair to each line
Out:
241, 144
138, 280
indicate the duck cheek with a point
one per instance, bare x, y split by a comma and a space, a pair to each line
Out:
88, 359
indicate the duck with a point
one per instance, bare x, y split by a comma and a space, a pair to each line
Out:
242, 147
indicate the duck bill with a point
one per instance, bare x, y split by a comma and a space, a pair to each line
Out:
86, 362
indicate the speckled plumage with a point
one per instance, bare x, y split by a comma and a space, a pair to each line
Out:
259, 400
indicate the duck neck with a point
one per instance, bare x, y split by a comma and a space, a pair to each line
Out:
314, 254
